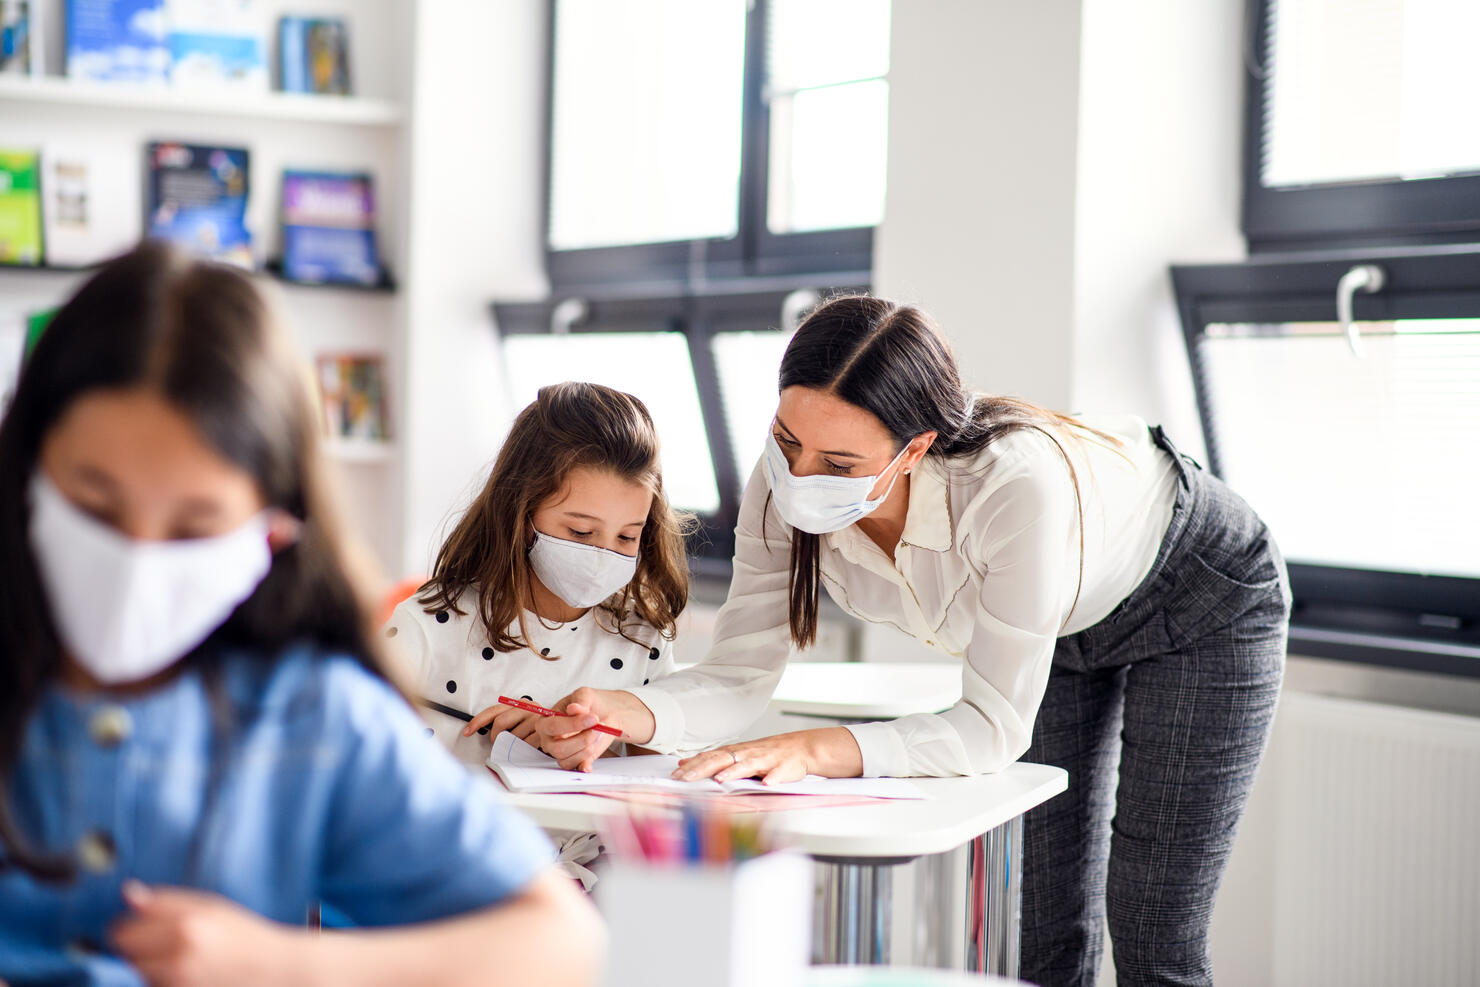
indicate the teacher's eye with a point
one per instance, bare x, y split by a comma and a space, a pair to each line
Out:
837, 467
783, 440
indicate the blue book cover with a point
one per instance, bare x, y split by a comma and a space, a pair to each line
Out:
313, 56
118, 40
329, 228
198, 200
219, 43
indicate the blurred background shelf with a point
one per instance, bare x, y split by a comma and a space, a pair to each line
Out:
290, 107
360, 450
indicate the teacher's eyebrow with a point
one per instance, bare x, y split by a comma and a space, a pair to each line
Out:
826, 452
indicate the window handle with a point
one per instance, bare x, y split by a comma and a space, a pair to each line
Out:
567, 313
1365, 278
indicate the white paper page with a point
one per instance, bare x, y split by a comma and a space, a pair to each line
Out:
527, 769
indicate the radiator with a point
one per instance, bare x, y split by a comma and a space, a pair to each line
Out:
1377, 854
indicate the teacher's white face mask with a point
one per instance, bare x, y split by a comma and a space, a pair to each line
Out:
821, 504
128, 609
581, 575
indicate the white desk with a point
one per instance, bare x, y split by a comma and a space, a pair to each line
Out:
947, 867
871, 690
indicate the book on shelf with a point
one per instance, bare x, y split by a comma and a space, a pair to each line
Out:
218, 44
118, 40
20, 207
85, 219
198, 200
352, 395
313, 55
20, 37
329, 228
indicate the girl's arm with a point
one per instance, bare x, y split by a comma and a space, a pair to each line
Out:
548, 933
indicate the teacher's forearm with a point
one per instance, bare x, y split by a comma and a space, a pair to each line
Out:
833, 753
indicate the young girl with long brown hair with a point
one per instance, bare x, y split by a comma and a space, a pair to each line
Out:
567, 569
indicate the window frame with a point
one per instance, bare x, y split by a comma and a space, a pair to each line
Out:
1370, 616
700, 314
1376, 213
753, 252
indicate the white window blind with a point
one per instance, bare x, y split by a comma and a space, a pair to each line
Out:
645, 122
1362, 90
1367, 463
826, 63
653, 366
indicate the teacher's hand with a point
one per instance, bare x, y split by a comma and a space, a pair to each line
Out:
830, 752
570, 740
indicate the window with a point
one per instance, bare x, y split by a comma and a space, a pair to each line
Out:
744, 360
1365, 467
722, 139
1354, 117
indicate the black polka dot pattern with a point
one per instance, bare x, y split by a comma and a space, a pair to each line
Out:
616, 663
528, 699
392, 631
644, 681
451, 686
653, 654
545, 651
487, 654
443, 616
483, 730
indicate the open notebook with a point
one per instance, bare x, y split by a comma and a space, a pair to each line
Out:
527, 769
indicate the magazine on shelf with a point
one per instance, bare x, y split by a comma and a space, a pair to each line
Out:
198, 200
218, 44
118, 40
313, 56
86, 216
329, 228
20, 207
352, 394
20, 37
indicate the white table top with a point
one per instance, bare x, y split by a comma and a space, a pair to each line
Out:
958, 810
871, 690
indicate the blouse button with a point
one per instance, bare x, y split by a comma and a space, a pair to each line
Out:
653, 654
616, 663
443, 616
487, 654
96, 852
110, 725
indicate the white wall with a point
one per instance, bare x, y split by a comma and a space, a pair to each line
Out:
475, 217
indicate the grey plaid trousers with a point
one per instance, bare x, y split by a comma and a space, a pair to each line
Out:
1160, 713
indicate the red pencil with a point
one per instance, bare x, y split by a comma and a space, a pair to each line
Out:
533, 708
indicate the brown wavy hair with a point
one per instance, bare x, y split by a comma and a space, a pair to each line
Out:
892, 361
568, 425
201, 336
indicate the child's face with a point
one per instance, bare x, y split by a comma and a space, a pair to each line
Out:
596, 507
132, 461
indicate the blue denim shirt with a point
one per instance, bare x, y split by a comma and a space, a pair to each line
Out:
327, 790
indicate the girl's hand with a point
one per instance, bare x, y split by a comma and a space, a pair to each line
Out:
831, 752
179, 936
519, 722
571, 741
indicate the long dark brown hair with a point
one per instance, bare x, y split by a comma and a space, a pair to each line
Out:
567, 426
892, 361
202, 337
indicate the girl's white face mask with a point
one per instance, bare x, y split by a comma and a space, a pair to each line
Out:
822, 504
127, 609
581, 575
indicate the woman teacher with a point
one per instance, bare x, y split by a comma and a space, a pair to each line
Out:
1119, 613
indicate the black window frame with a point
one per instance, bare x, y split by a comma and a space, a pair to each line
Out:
1397, 619
699, 313
1369, 213
754, 251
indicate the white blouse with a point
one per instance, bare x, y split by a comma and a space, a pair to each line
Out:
986, 571
452, 663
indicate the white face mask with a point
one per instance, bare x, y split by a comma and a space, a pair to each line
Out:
821, 504
128, 609
581, 575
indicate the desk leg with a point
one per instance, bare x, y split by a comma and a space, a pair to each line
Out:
957, 910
